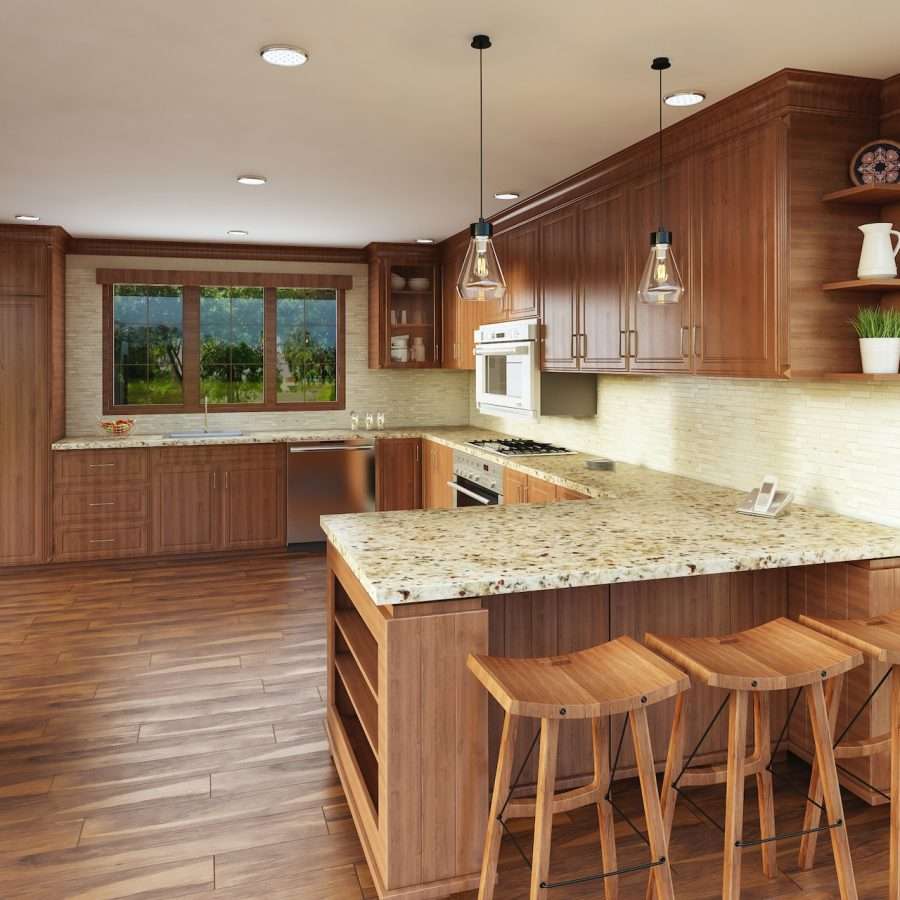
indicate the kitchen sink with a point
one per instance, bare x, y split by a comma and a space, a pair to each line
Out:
203, 435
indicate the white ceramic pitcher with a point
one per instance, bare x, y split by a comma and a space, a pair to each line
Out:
879, 253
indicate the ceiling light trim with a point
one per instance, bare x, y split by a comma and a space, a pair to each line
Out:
284, 55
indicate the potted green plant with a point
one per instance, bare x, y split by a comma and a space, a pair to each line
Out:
879, 339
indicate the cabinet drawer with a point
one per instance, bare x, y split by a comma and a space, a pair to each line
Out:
81, 466
100, 542
70, 507
231, 455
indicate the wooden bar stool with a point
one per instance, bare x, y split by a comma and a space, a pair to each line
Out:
776, 656
620, 676
879, 639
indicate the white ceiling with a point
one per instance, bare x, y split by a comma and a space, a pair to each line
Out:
132, 118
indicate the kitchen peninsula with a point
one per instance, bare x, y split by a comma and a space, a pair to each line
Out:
412, 594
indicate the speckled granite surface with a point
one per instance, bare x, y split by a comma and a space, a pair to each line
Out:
640, 525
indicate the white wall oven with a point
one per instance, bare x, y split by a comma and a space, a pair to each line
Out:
507, 369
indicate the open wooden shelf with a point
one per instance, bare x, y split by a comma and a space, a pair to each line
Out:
361, 698
860, 376
871, 286
867, 194
361, 644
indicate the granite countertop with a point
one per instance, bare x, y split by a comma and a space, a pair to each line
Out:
643, 525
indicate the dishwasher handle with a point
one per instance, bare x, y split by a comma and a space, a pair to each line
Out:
321, 449
461, 490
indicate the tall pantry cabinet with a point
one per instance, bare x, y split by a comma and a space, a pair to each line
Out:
32, 385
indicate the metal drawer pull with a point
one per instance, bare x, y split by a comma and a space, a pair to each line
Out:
104, 503
461, 490
101, 540
101, 465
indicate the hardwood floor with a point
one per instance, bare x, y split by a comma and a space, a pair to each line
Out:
161, 736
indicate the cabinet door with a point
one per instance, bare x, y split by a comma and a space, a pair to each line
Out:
398, 473
559, 288
517, 251
437, 470
185, 505
735, 243
540, 491
660, 335
24, 438
515, 487
253, 508
604, 305
450, 307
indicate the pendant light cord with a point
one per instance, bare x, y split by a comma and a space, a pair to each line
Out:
481, 130
660, 186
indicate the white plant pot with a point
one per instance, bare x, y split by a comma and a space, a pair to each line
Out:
880, 356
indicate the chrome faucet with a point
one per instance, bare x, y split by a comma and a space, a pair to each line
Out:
206, 414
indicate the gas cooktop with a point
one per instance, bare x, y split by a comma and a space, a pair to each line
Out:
520, 447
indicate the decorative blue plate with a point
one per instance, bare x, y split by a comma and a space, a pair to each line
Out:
877, 162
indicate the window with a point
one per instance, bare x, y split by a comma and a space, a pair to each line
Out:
231, 345
147, 344
236, 340
306, 336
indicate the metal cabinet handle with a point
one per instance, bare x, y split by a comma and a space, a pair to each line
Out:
101, 540
633, 352
622, 352
583, 345
684, 333
226, 481
573, 350
104, 503
214, 479
697, 351
101, 465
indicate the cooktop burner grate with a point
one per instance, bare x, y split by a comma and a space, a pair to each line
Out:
520, 447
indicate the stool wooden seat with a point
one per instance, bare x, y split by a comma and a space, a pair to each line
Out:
778, 655
620, 676
879, 639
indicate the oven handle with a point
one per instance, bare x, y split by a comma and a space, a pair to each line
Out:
488, 350
461, 490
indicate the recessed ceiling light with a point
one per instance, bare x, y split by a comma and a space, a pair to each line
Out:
685, 98
252, 179
507, 195
424, 240
22, 217
283, 55
236, 232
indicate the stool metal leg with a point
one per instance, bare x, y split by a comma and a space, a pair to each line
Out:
543, 823
602, 774
813, 815
762, 743
656, 832
894, 891
501, 789
831, 790
734, 794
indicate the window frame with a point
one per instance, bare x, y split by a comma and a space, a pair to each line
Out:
191, 283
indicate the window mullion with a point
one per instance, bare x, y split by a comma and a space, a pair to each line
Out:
191, 363
270, 354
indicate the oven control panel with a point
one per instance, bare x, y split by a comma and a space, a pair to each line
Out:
480, 471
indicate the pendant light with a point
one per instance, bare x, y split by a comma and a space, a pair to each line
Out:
481, 277
661, 282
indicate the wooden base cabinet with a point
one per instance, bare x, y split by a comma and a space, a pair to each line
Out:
218, 498
437, 470
398, 473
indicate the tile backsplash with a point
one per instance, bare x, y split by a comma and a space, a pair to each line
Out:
836, 445
419, 397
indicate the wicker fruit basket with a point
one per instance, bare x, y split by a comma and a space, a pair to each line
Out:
117, 427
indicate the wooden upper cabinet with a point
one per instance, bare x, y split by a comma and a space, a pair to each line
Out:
517, 251
603, 318
450, 265
559, 288
404, 300
398, 473
735, 250
659, 336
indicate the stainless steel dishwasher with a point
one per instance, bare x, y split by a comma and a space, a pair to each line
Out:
325, 478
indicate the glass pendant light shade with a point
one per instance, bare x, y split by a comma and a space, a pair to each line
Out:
661, 282
481, 277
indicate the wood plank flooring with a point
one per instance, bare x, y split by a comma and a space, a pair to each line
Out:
161, 737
